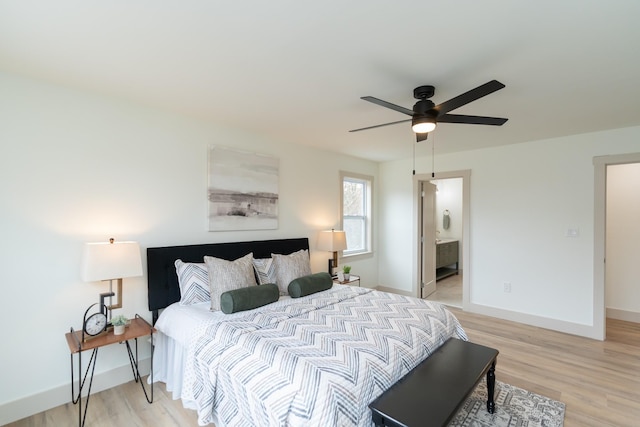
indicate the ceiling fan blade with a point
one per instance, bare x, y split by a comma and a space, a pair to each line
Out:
471, 120
421, 137
379, 126
388, 105
467, 97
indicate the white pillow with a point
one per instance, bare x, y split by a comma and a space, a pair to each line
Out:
228, 275
290, 267
194, 282
265, 269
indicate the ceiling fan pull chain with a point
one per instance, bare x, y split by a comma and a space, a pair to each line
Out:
433, 160
414, 158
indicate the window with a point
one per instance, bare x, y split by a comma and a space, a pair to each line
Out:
356, 213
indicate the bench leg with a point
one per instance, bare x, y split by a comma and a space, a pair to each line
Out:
491, 386
378, 421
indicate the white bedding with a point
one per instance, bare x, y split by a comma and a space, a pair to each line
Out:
175, 327
312, 361
177, 319
171, 341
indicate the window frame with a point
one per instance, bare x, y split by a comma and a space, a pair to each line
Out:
368, 208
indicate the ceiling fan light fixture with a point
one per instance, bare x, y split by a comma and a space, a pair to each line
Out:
423, 124
425, 115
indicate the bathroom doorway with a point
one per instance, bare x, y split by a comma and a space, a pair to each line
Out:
451, 244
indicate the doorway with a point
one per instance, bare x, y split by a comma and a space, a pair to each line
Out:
622, 242
449, 242
601, 164
451, 231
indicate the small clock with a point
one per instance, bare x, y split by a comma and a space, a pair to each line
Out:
95, 323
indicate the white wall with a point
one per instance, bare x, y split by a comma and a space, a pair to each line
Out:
623, 241
524, 198
78, 167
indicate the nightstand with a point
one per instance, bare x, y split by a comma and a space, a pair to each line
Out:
353, 280
138, 327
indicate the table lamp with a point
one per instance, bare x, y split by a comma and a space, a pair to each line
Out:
111, 261
332, 241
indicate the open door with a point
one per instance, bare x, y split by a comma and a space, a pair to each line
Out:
428, 238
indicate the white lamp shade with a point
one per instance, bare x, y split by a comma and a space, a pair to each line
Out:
332, 241
106, 261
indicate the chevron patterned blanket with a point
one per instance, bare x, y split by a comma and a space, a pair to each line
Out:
312, 361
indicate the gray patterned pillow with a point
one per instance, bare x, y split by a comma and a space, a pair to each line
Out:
265, 269
290, 267
228, 275
194, 282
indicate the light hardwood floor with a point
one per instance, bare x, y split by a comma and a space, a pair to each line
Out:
448, 291
598, 381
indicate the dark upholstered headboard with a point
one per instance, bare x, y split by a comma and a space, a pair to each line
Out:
162, 285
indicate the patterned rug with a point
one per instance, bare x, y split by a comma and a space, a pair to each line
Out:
515, 407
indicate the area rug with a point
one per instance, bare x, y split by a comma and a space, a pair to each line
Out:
515, 407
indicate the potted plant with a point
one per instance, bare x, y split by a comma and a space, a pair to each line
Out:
119, 322
346, 272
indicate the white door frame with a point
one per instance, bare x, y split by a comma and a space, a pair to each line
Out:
600, 164
466, 229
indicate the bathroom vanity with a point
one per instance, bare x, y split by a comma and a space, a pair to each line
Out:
447, 261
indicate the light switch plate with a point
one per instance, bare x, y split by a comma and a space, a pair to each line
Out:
573, 232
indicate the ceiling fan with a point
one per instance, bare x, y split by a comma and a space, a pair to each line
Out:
425, 114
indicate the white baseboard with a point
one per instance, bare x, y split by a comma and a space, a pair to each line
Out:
31, 405
587, 331
533, 320
629, 316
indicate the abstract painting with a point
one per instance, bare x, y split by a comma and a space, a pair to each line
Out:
243, 190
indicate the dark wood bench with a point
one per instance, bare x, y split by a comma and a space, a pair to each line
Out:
432, 392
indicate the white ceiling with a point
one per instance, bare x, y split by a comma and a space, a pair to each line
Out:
294, 70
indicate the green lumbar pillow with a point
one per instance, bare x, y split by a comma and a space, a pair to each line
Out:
248, 298
307, 285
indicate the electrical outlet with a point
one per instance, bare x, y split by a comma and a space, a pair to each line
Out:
506, 286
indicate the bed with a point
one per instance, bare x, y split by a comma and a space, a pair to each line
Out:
316, 360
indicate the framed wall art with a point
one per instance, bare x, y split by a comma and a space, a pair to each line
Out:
242, 190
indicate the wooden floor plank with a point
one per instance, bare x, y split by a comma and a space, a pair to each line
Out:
598, 381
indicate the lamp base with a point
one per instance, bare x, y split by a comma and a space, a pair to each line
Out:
110, 294
333, 263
